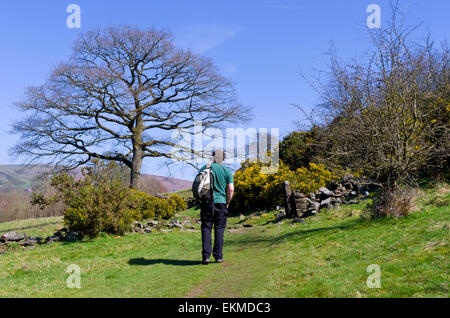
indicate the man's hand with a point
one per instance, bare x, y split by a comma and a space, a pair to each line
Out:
230, 192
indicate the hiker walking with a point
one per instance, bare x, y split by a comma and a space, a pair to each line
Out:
214, 187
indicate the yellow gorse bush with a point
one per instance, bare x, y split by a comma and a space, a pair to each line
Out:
255, 190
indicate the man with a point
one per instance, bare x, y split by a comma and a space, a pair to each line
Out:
216, 212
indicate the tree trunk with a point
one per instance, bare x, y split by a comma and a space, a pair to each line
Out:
138, 154
136, 167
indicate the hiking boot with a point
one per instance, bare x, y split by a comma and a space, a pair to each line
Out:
205, 262
220, 260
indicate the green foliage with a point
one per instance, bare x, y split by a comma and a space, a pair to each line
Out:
255, 190
299, 149
154, 207
177, 202
99, 201
95, 203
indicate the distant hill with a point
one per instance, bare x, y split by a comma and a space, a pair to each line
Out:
13, 177
20, 177
169, 184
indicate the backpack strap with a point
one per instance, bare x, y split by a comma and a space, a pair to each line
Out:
211, 175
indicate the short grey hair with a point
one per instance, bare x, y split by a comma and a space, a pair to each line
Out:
218, 156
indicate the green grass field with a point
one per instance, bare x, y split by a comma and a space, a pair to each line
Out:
186, 193
327, 256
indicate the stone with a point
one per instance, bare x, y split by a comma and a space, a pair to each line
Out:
302, 206
298, 220
53, 238
137, 224
332, 186
326, 192
325, 203
287, 193
13, 237
303, 200
29, 242
2, 252
352, 194
280, 216
148, 230
309, 213
298, 195
314, 206
175, 224
335, 206
152, 223
71, 237
61, 232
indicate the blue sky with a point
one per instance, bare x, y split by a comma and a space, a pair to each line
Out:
261, 45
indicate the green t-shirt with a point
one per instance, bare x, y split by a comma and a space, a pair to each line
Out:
222, 177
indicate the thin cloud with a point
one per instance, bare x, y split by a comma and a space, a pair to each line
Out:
203, 38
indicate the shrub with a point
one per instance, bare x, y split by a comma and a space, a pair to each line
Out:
155, 207
393, 203
254, 190
310, 179
178, 203
95, 203
300, 148
99, 202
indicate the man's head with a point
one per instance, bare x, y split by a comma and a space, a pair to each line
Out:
218, 156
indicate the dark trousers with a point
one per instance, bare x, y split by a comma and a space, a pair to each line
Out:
213, 215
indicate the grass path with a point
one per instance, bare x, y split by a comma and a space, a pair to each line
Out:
325, 257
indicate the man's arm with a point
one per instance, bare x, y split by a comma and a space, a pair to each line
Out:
230, 192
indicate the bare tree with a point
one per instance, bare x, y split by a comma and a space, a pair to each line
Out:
118, 97
389, 115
